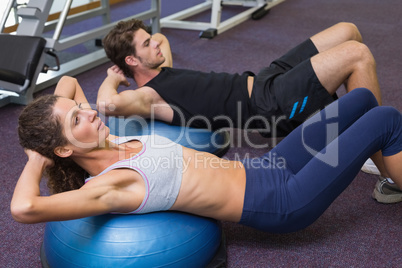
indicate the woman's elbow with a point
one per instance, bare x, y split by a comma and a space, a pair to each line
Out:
22, 212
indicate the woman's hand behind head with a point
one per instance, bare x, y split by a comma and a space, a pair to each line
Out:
35, 156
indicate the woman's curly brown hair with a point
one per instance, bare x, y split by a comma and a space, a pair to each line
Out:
40, 130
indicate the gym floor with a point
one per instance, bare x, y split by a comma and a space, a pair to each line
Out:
354, 232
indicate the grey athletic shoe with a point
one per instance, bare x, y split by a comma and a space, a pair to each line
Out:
386, 192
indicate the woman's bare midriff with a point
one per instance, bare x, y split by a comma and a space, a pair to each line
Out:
211, 186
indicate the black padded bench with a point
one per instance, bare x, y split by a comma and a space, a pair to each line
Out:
21, 61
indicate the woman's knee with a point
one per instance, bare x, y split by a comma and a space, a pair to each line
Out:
365, 96
387, 121
387, 113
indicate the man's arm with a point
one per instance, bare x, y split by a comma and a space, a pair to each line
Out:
126, 103
165, 49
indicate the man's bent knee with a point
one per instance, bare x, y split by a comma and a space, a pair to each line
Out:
351, 30
359, 51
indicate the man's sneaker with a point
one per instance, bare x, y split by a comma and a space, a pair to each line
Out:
370, 167
386, 192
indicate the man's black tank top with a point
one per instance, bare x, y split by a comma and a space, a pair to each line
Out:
204, 100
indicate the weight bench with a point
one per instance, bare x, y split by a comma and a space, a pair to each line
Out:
21, 61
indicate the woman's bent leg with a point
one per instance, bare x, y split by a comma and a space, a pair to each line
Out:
319, 164
313, 135
328, 174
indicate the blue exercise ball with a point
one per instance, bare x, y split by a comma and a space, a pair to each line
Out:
215, 142
161, 239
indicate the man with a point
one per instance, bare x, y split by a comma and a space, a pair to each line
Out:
275, 101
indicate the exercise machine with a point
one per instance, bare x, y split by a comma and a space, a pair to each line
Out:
22, 74
255, 9
22, 55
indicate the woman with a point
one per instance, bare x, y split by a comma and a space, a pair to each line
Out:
136, 175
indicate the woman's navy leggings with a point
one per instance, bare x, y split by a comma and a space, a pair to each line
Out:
288, 188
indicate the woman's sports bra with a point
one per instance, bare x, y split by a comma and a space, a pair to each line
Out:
160, 163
